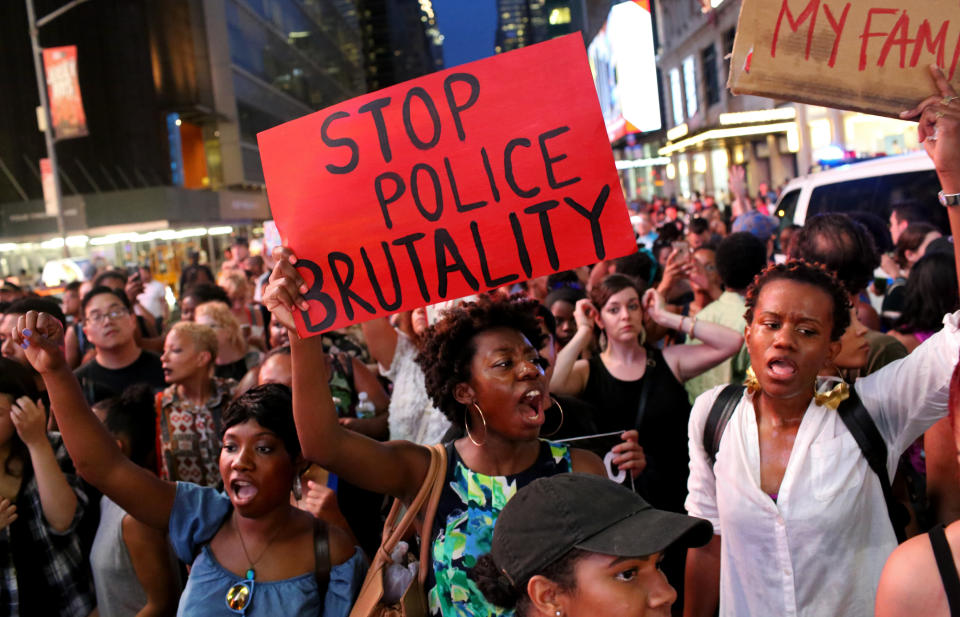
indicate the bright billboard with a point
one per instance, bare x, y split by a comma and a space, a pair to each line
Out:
624, 70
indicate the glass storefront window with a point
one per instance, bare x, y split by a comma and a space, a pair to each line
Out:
871, 135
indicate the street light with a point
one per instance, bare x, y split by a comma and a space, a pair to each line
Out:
35, 26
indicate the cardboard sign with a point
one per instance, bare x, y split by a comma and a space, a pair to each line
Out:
865, 55
455, 183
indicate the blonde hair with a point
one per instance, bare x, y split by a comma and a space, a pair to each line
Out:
234, 282
203, 337
222, 316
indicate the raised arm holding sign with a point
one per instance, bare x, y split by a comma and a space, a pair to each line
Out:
451, 184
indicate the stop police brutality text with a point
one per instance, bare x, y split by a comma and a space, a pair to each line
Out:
423, 183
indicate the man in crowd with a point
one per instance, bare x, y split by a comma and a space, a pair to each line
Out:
109, 323
762, 226
153, 298
10, 291
239, 251
739, 258
902, 216
195, 273
71, 301
698, 233
847, 248
8, 320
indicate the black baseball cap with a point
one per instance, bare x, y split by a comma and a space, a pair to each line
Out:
551, 516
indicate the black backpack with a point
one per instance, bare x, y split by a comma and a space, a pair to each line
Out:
855, 418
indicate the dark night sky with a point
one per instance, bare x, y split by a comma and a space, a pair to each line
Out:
468, 29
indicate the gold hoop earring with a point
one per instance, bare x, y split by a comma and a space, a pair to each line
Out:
836, 395
466, 425
643, 335
751, 381
560, 407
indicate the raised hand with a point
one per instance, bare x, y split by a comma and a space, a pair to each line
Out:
939, 129
585, 314
653, 304
677, 268
629, 454
41, 337
30, 420
133, 288
318, 500
285, 288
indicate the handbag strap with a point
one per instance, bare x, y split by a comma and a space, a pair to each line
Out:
431, 488
427, 525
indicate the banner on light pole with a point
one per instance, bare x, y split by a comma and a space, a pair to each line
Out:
63, 90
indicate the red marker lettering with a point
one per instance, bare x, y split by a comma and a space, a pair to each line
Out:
868, 34
808, 13
837, 29
934, 45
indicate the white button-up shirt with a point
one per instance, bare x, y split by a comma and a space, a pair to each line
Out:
819, 549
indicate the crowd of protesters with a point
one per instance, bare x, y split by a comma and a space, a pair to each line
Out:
201, 458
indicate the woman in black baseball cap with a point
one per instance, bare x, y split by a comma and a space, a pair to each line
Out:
574, 544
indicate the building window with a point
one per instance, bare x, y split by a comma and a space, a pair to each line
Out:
677, 96
560, 15
690, 84
728, 38
711, 79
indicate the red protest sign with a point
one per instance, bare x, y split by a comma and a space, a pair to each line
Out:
454, 183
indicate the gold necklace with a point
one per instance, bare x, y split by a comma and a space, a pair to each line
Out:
251, 574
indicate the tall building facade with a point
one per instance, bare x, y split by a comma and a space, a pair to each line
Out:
525, 22
401, 41
174, 92
709, 129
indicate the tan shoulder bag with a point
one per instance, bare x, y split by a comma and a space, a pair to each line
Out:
414, 601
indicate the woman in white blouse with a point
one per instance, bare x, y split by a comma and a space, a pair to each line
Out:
801, 524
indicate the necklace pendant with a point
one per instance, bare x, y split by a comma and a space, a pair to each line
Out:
250, 574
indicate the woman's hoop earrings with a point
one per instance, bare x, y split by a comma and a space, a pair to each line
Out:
751, 381
466, 425
560, 407
297, 488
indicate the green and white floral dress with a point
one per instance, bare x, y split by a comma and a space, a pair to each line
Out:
463, 528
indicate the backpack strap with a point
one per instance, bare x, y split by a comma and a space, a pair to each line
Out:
321, 552
864, 430
719, 416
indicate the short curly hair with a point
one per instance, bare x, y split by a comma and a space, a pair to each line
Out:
446, 349
800, 271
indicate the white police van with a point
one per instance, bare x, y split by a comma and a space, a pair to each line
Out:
871, 186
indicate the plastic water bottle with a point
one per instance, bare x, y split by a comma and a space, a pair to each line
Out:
365, 407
